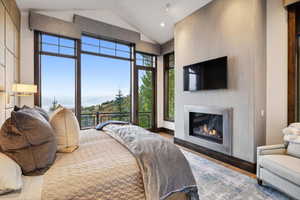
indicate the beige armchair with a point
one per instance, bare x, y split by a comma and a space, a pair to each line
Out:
277, 168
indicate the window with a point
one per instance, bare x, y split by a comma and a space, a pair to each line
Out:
57, 45
105, 81
57, 63
146, 71
169, 86
94, 77
97, 46
145, 60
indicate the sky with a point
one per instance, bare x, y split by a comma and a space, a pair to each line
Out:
101, 77
100, 81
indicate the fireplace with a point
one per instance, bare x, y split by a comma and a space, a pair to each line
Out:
207, 126
210, 127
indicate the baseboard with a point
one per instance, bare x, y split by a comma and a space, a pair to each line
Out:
242, 164
165, 130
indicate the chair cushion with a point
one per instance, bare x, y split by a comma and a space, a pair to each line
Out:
285, 166
66, 129
10, 176
28, 138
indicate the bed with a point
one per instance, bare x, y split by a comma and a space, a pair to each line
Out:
101, 168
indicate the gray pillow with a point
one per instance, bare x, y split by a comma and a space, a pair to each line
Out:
40, 110
28, 138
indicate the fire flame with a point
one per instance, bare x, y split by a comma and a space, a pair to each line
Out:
210, 132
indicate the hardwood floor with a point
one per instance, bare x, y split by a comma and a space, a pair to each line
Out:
170, 137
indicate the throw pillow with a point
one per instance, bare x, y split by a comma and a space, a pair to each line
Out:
28, 138
66, 129
10, 176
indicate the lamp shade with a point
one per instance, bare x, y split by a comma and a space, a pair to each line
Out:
24, 88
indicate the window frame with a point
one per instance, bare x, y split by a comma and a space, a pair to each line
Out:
107, 55
167, 68
153, 69
77, 57
132, 65
293, 96
38, 52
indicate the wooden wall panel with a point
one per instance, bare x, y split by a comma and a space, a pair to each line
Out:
9, 78
13, 11
9, 33
2, 23
2, 54
16, 42
2, 95
9, 55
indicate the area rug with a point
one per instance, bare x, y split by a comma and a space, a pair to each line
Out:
216, 182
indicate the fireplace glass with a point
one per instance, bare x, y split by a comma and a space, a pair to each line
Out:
207, 126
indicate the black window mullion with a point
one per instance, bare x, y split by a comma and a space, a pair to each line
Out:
99, 47
58, 45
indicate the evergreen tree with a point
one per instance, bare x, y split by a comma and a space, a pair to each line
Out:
171, 94
119, 102
54, 105
145, 99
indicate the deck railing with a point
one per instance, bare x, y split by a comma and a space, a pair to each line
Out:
90, 120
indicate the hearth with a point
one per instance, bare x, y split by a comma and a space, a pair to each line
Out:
210, 127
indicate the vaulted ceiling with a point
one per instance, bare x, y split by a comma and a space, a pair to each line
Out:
145, 16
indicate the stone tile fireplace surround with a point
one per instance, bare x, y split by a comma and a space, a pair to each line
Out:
209, 127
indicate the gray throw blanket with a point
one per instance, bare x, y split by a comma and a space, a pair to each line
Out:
164, 168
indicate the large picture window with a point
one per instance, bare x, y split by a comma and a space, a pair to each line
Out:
169, 87
57, 71
98, 79
105, 81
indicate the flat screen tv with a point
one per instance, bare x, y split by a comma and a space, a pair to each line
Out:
207, 75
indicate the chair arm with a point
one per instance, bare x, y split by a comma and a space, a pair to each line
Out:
271, 149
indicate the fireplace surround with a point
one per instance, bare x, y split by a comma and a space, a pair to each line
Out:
210, 127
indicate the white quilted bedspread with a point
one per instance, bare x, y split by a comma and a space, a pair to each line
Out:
100, 168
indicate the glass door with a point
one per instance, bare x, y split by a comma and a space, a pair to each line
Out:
146, 70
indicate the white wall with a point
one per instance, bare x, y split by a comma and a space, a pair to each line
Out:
160, 97
222, 28
276, 70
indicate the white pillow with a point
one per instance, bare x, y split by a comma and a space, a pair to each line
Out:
10, 175
292, 137
294, 149
66, 129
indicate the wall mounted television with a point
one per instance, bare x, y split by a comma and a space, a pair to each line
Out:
207, 75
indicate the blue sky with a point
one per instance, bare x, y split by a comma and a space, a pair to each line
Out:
101, 79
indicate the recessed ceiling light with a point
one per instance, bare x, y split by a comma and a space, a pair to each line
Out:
162, 24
